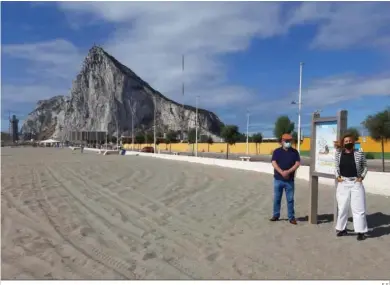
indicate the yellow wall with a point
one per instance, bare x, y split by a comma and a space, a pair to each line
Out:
264, 148
367, 144
305, 145
372, 146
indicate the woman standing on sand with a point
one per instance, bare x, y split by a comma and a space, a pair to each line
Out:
350, 170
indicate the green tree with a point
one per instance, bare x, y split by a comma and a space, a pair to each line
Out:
257, 139
170, 138
149, 137
203, 139
159, 140
354, 132
283, 125
231, 135
221, 126
192, 138
139, 139
241, 137
209, 142
378, 126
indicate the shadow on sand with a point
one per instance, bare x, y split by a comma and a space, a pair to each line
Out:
321, 219
379, 223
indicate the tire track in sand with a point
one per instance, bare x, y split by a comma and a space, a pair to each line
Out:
185, 226
205, 244
151, 265
32, 233
76, 240
171, 261
169, 234
185, 245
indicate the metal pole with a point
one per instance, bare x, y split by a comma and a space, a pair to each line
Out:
154, 127
61, 136
299, 105
182, 93
10, 126
117, 132
132, 129
196, 127
106, 139
247, 133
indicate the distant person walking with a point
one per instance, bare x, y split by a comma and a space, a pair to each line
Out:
285, 161
350, 170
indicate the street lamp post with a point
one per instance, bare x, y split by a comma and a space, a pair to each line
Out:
154, 127
299, 105
196, 127
182, 93
247, 133
117, 132
62, 136
132, 130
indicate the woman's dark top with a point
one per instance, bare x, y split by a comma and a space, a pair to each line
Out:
348, 165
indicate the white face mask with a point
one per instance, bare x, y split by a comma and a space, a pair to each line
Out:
287, 144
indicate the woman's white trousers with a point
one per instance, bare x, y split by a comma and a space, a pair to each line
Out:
351, 194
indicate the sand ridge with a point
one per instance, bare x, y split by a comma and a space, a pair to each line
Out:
67, 215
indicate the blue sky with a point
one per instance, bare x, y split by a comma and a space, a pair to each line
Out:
239, 55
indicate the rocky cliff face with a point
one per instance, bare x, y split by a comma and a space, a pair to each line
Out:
108, 96
45, 121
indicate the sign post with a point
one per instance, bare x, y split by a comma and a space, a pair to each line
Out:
324, 131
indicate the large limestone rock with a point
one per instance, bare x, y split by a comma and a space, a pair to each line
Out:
45, 121
107, 96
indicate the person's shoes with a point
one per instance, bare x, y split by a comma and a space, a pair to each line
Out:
341, 233
293, 222
274, 219
361, 236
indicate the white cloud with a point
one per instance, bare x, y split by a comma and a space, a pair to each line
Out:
338, 89
345, 24
255, 127
58, 58
151, 39
15, 94
328, 91
49, 70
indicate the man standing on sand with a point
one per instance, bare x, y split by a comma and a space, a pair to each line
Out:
285, 161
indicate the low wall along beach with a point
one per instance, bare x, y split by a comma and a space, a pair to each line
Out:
375, 182
366, 143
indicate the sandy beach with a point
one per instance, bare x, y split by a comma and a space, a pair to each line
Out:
67, 215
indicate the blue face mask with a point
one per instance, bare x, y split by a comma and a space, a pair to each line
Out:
287, 144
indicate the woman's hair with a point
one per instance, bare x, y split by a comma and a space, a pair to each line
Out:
340, 144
